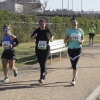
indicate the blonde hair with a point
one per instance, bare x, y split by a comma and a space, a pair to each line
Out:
7, 25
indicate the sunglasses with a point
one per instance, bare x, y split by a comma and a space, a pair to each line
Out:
6, 29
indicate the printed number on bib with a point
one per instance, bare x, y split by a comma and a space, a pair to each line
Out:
42, 45
75, 37
6, 44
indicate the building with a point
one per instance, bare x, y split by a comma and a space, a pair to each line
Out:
2, 5
22, 6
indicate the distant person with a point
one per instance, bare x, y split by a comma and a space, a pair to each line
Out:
92, 32
75, 38
42, 49
9, 42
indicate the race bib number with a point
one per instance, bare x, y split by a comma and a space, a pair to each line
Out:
42, 45
6, 43
75, 37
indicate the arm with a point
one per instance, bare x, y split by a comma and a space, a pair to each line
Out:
16, 41
82, 40
67, 39
51, 39
34, 36
95, 30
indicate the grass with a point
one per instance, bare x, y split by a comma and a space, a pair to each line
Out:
26, 52
98, 99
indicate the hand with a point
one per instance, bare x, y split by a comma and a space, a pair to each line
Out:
35, 35
70, 38
80, 42
10, 46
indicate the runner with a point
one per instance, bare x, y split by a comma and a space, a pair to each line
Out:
92, 32
75, 38
42, 50
9, 41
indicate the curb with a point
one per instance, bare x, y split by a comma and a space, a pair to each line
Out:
94, 94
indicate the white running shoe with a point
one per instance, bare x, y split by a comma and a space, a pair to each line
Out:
72, 83
40, 80
6, 79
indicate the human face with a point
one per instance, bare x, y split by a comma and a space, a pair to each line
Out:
42, 24
74, 23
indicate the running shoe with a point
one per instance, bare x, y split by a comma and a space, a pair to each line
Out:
72, 83
15, 72
40, 80
44, 75
6, 79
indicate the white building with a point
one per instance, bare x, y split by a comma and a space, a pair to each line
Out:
22, 6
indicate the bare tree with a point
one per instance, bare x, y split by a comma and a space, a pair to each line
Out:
44, 7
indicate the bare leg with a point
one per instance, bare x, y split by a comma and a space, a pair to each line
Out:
4, 64
12, 64
75, 72
90, 41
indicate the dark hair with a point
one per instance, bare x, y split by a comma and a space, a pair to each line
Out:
73, 19
91, 22
42, 20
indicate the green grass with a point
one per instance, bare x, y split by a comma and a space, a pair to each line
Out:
26, 52
96, 39
98, 99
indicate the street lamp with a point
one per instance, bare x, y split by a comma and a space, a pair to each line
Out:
62, 8
72, 5
81, 8
68, 7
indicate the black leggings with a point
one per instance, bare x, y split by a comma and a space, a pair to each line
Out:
74, 55
42, 56
91, 36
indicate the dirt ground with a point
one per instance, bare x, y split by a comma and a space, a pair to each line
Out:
57, 84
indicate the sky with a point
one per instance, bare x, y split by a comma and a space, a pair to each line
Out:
87, 5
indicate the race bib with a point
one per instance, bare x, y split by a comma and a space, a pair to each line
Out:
6, 44
75, 37
42, 45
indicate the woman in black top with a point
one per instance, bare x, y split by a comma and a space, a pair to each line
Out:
42, 49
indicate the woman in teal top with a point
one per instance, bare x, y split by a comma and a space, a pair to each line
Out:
75, 38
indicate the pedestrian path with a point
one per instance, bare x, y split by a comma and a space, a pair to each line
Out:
57, 84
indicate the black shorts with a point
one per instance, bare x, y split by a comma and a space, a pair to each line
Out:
9, 54
91, 35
